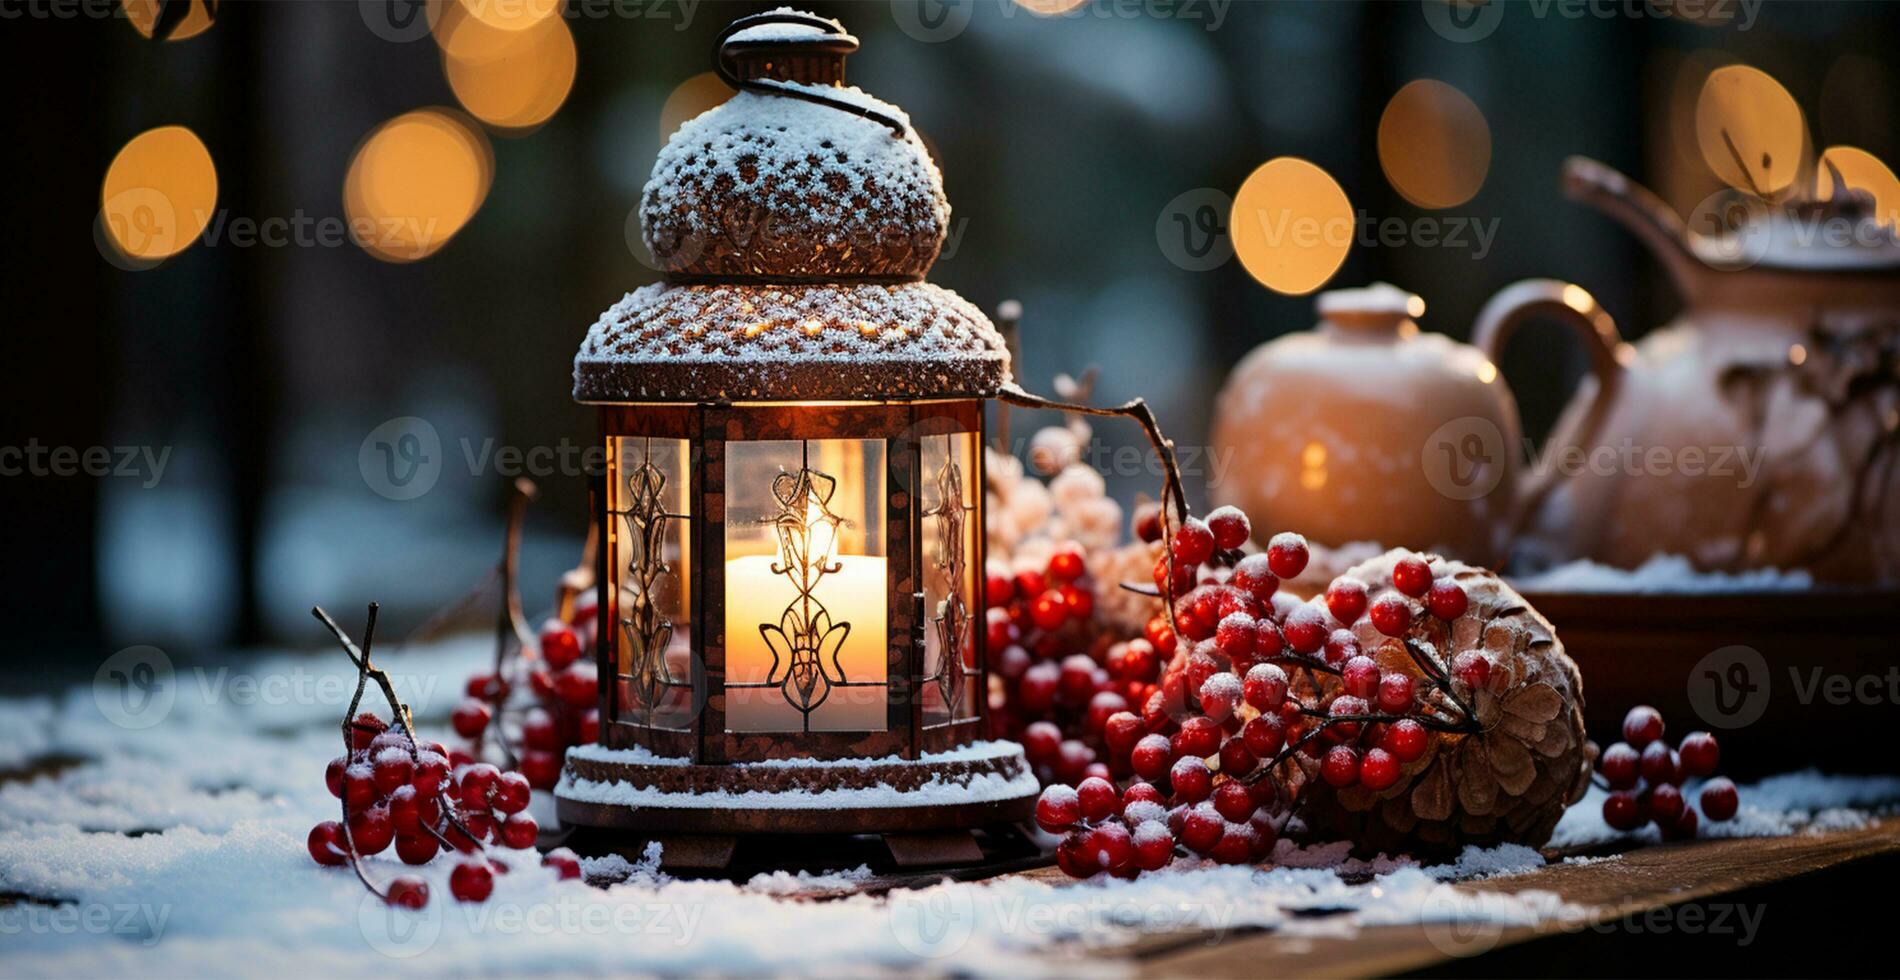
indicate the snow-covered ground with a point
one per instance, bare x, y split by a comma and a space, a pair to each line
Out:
177, 848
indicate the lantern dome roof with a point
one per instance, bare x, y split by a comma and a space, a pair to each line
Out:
794, 224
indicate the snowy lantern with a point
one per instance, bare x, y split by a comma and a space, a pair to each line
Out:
793, 502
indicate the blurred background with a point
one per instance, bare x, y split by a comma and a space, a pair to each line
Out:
261, 253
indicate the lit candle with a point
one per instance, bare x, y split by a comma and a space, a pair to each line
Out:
755, 594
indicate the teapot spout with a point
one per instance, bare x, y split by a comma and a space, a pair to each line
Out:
1636, 208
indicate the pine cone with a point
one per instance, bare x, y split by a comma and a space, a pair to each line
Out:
1509, 782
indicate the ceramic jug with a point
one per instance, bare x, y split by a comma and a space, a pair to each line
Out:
1759, 427
1368, 429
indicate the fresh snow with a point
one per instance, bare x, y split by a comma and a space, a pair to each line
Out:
178, 850
1660, 574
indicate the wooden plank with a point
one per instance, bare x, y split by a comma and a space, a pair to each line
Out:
1632, 883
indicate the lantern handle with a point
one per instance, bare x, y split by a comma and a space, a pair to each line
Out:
772, 86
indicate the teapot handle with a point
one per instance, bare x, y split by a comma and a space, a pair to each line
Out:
1576, 308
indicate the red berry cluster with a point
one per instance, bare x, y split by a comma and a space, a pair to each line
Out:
1057, 677
1645, 778
566, 689
1255, 676
401, 792
1129, 831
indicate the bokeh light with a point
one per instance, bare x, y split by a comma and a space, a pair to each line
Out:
1049, 8
159, 192
512, 78
1862, 171
1292, 225
143, 16
415, 182
690, 98
511, 15
1434, 144
1750, 130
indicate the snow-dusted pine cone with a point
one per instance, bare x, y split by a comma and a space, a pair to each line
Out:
1510, 781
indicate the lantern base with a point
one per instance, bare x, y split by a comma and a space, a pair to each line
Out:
978, 785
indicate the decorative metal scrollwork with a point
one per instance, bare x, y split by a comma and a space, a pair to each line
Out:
805, 643
647, 631
952, 619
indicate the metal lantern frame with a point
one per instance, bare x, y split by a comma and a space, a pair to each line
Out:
914, 506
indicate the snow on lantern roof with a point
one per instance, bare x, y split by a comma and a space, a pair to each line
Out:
794, 224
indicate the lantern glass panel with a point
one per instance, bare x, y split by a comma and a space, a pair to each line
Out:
806, 586
650, 542
950, 526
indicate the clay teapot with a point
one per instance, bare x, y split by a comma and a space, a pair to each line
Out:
1367, 429
1757, 429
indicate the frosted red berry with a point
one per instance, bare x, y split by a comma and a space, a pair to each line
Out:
1379, 770
1236, 636
1665, 805
1286, 554
1397, 693
1405, 739
1446, 599
1305, 629
1190, 779
1622, 811
1263, 735
1254, 576
1230, 527
1642, 726
1720, 800
1193, 542
1202, 828
1700, 754
519, 831
1067, 565
1152, 756
560, 645
1340, 766
1391, 614
1619, 765
1412, 576
1264, 687
1233, 801
1471, 669
471, 881
1048, 611
1360, 677
1098, 799
564, 861
1346, 599
1058, 809
326, 843
407, 891
1658, 763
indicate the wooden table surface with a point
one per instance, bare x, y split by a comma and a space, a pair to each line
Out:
1622, 887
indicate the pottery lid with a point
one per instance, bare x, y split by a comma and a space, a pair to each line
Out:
1379, 306
1840, 233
